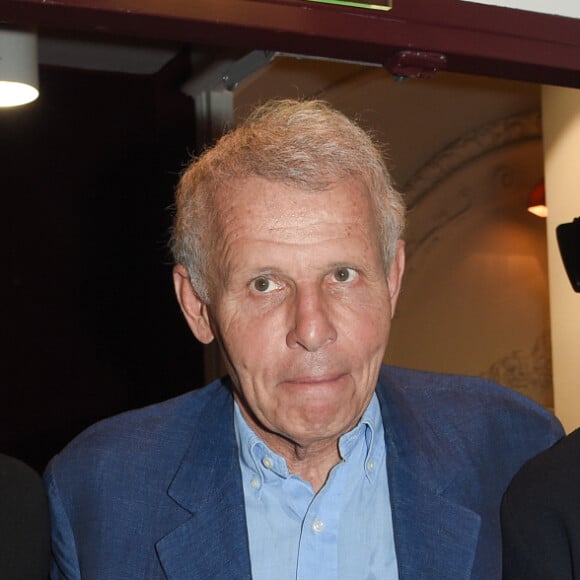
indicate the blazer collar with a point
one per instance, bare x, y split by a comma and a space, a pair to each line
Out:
432, 532
213, 542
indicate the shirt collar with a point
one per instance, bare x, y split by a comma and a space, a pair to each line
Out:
371, 428
263, 462
254, 453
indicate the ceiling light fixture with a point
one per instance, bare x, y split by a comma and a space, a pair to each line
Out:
18, 67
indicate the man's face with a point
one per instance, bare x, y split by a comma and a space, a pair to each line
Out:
301, 307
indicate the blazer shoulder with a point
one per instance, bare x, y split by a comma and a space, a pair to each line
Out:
159, 430
470, 412
475, 395
128, 481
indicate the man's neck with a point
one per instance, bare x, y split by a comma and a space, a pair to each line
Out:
310, 460
311, 463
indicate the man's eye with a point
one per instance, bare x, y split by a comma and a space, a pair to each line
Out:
263, 285
344, 274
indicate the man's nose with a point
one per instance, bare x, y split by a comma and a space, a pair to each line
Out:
311, 322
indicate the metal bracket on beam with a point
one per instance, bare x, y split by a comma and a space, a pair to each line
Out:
214, 82
226, 74
246, 66
212, 91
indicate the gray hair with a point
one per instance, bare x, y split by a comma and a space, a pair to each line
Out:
305, 144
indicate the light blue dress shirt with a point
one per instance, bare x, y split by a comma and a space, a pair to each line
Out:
344, 532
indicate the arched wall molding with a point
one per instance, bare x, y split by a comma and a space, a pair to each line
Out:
508, 131
474, 297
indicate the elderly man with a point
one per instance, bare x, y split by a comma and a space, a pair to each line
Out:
309, 460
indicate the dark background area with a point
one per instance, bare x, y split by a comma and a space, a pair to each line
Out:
90, 323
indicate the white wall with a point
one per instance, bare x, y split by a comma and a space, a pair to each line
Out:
570, 8
561, 127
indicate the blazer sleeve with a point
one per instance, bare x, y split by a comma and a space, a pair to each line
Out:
64, 561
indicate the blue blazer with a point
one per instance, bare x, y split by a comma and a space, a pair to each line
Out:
157, 492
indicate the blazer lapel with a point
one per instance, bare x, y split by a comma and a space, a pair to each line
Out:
213, 543
432, 532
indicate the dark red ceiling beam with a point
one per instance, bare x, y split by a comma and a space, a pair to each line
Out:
475, 38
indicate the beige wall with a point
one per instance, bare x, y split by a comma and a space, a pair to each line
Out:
561, 126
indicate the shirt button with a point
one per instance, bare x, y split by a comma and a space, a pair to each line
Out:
267, 463
318, 526
371, 464
255, 483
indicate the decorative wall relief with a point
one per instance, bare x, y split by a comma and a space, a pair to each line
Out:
475, 293
530, 372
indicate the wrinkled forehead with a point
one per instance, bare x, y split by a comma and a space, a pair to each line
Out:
259, 195
274, 214
255, 204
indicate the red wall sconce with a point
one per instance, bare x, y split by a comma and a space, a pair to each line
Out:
537, 201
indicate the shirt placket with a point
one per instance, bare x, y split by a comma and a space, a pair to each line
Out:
318, 546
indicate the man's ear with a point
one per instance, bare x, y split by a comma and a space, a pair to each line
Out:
395, 276
193, 307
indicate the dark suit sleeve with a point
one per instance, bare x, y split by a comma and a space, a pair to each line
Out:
535, 546
24, 522
540, 516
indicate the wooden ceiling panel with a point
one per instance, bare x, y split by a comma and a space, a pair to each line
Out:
472, 38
